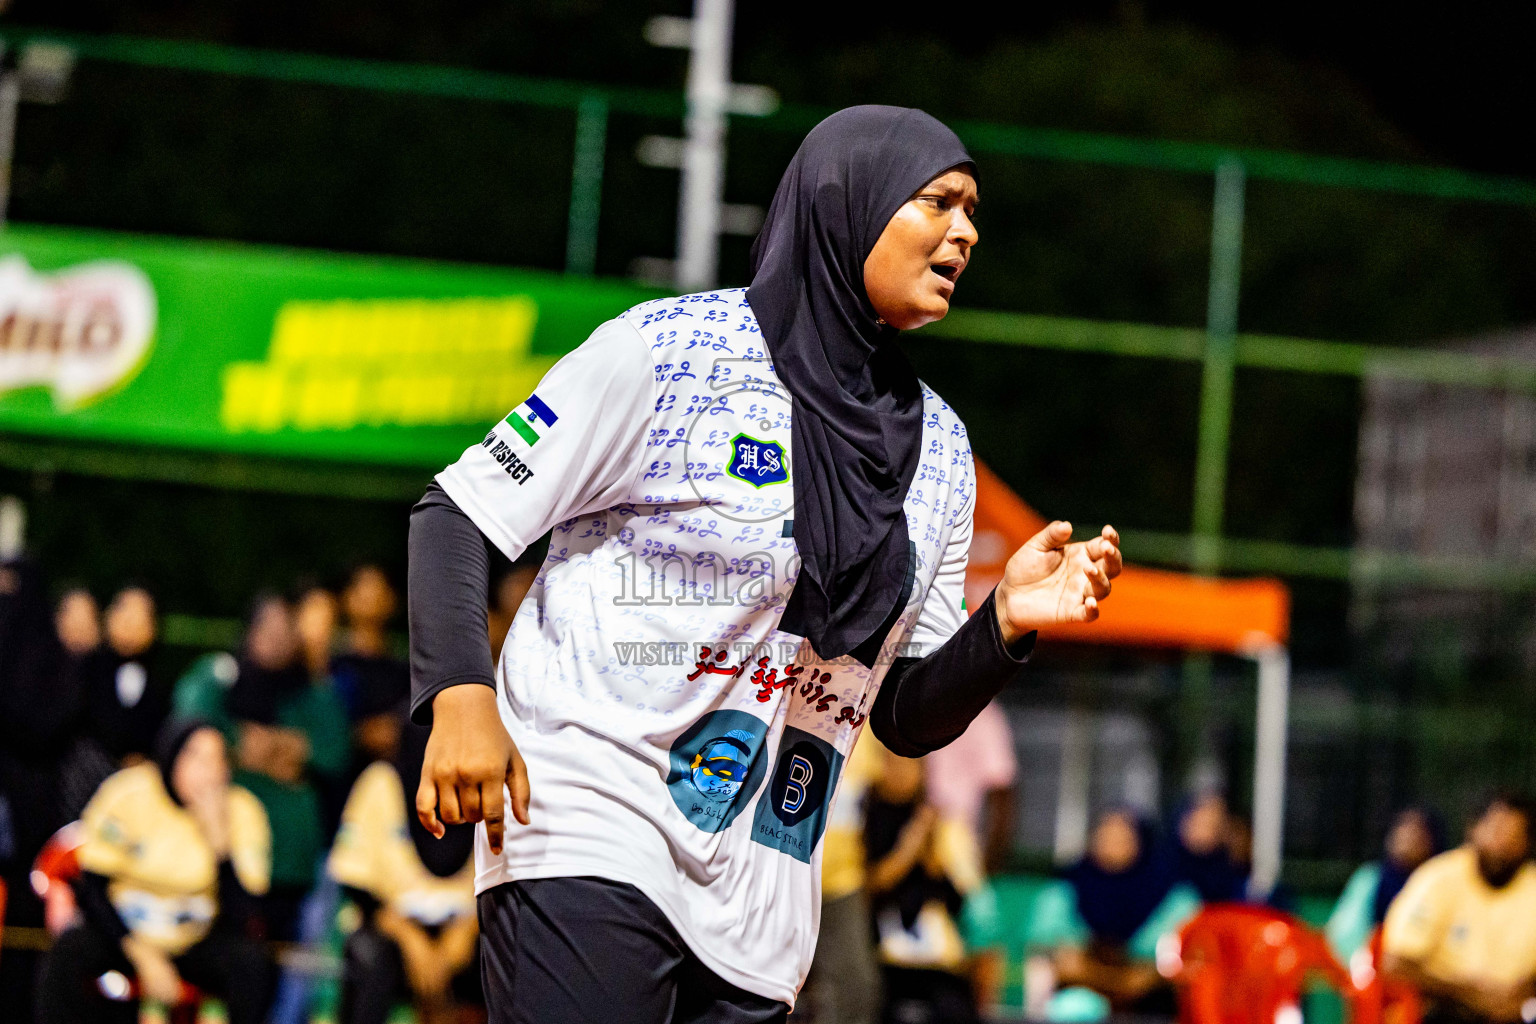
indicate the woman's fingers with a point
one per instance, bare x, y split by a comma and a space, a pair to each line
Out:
493, 812
468, 792
1053, 537
448, 804
1098, 580
426, 806
517, 785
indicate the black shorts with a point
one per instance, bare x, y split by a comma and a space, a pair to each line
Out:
590, 951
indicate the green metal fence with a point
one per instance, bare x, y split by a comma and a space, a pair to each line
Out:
1219, 348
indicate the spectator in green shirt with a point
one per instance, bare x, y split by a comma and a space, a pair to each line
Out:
1417, 834
277, 721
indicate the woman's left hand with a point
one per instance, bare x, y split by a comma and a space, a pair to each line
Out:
1050, 580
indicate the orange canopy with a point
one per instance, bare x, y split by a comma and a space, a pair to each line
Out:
1149, 607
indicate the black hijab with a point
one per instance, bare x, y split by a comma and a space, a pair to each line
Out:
443, 857
857, 405
169, 743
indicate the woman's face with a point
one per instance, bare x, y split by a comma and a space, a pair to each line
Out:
131, 627
911, 272
201, 766
315, 620
1204, 826
1115, 845
1410, 843
272, 641
78, 623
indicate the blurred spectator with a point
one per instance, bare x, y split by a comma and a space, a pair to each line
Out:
507, 592
40, 706
77, 621
369, 679
268, 709
416, 894
1125, 895
41, 701
315, 617
971, 781
127, 699
1203, 858
1463, 929
330, 741
1238, 840
172, 861
920, 869
1417, 834
844, 983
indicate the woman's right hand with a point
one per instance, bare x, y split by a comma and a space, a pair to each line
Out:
157, 976
469, 758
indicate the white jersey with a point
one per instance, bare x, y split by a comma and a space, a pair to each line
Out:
676, 738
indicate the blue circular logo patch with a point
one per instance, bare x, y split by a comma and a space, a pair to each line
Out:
716, 767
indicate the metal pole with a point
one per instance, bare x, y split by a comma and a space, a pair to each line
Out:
1270, 728
703, 177
1220, 365
586, 186
1074, 786
10, 98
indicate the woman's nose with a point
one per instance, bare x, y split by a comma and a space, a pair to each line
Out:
962, 231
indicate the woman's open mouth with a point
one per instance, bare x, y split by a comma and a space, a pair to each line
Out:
948, 271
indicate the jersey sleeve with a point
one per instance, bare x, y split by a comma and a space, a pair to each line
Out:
943, 608
107, 825
1416, 919
365, 827
250, 841
574, 446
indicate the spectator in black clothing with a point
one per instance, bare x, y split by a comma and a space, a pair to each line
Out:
1119, 884
126, 701
172, 862
40, 705
1203, 858
915, 901
369, 678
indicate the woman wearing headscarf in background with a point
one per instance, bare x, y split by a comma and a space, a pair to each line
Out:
1203, 856
666, 865
252, 699
1417, 834
416, 895
1124, 895
173, 861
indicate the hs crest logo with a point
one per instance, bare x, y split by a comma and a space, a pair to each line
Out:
758, 463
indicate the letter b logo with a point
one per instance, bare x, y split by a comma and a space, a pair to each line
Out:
801, 772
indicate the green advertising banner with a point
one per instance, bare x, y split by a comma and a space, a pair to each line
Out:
264, 351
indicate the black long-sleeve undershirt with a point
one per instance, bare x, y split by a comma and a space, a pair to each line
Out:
447, 580
923, 704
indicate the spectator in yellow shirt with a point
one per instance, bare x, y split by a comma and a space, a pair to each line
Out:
1463, 930
172, 863
844, 983
419, 933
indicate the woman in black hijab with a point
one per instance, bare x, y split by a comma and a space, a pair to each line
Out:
866, 237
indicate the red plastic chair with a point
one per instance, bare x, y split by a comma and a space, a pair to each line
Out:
54, 871
56, 866
1378, 998
1241, 964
